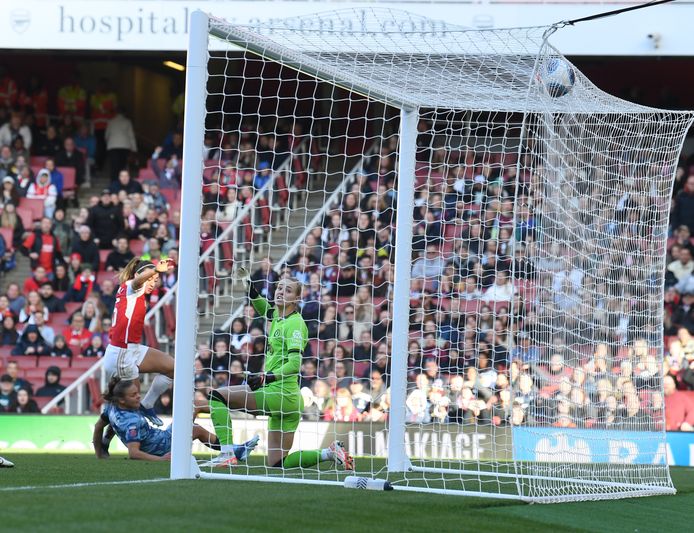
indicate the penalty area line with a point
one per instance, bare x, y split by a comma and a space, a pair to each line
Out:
86, 484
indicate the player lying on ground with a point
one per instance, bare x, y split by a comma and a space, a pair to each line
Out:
142, 440
275, 392
125, 357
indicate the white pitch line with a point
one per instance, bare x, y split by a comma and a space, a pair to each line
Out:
91, 484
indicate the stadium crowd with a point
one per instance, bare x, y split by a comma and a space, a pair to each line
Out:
480, 348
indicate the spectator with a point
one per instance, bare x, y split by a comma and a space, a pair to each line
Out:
43, 247
70, 156
38, 278
128, 185
13, 129
62, 230
96, 347
17, 382
155, 199
49, 144
683, 210
119, 257
8, 395
10, 193
46, 331
104, 220
61, 280
87, 249
43, 189
10, 220
239, 336
31, 343
342, 409
33, 305
72, 100
170, 175
86, 143
501, 290
417, 407
17, 301
76, 335
50, 300
24, 403
108, 296
52, 386
60, 348
8, 333
431, 265
120, 143
684, 266
84, 285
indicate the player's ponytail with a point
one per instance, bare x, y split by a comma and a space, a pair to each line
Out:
116, 389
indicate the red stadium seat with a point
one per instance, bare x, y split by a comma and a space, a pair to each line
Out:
58, 320
172, 195
146, 174
37, 161
45, 361
71, 307
104, 275
82, 363
27, 217
41, 401
34, 205
95, 394
69, 181
103, 255
151, 336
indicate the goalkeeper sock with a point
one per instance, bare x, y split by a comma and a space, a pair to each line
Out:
221, 420
303, 459
160, 384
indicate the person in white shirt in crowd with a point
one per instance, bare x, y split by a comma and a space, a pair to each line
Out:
120, 143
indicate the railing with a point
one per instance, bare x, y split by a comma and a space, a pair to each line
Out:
76, 394
329, 204
214, 248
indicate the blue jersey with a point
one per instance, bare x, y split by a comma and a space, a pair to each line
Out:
132, 426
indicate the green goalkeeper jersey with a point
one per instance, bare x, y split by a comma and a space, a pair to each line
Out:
286, 343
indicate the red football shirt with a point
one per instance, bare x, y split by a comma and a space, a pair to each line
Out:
128, 316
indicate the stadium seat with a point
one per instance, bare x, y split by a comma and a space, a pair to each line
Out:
103, 275
37, 161
69, 181
146, 174
34, 205
95, 394
71, 307
82, 363
103, 255
58, 320
42, 401
27, 217
45, 361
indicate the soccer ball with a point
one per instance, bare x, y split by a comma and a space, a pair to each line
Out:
557, 77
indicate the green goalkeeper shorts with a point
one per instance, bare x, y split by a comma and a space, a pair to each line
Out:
283, 407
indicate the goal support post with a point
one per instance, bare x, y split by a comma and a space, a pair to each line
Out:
188, 269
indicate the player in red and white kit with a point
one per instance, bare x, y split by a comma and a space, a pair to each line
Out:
125, 357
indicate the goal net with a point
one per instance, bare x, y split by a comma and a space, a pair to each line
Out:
481, 258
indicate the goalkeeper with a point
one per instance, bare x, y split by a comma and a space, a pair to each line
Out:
275, 392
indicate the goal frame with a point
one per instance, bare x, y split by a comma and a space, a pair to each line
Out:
182, 466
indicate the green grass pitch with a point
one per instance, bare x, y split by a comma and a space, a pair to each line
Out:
207, 505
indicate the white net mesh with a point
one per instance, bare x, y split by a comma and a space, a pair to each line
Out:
534, 361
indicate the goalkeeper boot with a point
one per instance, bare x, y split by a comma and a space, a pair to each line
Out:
338, 453
4, 463
223, 460
242, 451
151, 415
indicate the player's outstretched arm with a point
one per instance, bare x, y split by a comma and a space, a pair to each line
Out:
134, 452
97, 436
162, 267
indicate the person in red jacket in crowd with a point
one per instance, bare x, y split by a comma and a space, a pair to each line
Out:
76, 335
34, 283
43, 247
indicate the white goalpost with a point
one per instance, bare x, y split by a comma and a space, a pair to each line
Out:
483, 301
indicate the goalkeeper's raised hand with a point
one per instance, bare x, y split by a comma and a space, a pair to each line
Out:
255, 381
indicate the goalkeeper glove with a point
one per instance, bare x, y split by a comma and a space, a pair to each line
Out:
255, 381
